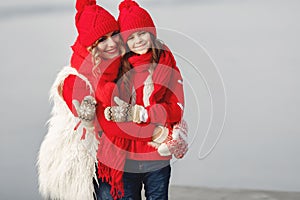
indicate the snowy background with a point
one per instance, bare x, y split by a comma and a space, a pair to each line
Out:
253, 46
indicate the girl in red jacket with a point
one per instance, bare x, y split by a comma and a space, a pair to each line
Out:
151, 92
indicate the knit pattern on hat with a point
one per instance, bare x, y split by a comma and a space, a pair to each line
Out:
133, 18
93, 22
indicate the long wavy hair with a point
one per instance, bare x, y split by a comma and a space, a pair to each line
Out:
124, 72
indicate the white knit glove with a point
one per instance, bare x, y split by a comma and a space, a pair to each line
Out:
178, 145
125, 112
86, 111
160, 134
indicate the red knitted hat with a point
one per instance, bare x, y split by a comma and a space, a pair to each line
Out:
92, 22
133, 18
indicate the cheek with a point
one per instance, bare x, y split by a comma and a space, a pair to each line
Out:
149, 40
101, 47
147, 37
129, 44
116, 39
118, 42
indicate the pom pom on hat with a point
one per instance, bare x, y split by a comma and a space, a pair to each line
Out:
133, 18
127, 4
80, 4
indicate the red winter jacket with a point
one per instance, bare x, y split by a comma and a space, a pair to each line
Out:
164, 105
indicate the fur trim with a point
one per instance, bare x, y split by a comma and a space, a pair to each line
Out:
66, 164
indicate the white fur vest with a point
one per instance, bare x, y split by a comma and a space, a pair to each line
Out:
66, 164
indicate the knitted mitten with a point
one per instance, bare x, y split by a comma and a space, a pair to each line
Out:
86, 111
125, 112
178, 145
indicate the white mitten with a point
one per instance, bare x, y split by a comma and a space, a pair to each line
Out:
86, 111
125, 112
178, 145
160, 135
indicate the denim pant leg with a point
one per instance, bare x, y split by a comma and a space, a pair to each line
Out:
103, 191
155, 176
157, 183
132, 186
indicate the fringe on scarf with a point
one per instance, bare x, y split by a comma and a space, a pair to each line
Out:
110, 169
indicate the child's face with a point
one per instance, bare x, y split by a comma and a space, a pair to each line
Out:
139, 42
109, 45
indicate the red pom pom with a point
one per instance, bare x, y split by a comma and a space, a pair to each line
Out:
127, 4
80, 4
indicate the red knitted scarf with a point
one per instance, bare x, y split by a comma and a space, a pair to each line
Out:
81, 60
141, 63
111, 160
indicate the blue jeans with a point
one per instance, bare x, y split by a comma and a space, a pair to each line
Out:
103, 191
155, 176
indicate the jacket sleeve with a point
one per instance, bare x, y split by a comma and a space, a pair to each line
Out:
167, 99
169, 108
74, 88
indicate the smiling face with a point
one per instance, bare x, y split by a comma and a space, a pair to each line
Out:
109, 45
139, 42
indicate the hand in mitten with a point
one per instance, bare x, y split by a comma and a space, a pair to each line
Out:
178, 145
86, 111
125, 112
160, 135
